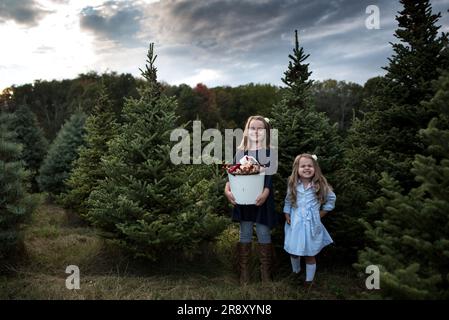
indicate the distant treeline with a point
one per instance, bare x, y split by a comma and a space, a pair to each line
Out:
53, 102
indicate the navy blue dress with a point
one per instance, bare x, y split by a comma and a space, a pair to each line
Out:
264, 214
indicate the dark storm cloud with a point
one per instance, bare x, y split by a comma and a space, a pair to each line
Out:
25, 12
247, 39
240, 23
114, 20
257, 36
229, 26
260, 33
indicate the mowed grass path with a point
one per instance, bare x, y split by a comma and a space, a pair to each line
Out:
55, 238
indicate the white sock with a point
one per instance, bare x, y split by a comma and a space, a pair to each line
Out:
310, 271
296, 264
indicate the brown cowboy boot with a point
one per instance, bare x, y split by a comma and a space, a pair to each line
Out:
244, 254
265, 255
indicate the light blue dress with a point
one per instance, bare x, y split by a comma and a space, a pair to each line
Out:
306, 235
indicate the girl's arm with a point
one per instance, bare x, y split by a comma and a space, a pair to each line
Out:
263, 196
227, 190
329, 205
267, 183
228, 194
267, 187
287, 206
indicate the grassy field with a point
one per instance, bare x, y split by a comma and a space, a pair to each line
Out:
55, 238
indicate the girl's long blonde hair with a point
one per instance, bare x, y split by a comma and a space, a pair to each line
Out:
322, 187
244, 144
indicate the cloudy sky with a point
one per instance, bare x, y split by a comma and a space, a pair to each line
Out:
216, 42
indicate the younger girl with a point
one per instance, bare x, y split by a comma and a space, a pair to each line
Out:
255, 143
309, 198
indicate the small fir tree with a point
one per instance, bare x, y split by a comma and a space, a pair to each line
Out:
63, 152
31, 137
87, 171
16, 204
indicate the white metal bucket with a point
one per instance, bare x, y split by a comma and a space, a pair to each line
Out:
246, 188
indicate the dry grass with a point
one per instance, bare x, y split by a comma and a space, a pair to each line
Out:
55, 239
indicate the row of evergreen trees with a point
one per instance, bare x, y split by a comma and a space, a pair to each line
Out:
117, 173
125, 184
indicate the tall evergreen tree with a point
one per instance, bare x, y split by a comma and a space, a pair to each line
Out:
296, 78
31, 137
301, 128
410, 242
16, 204
146, 203
386, 137
419, 56
63, 152
87, 171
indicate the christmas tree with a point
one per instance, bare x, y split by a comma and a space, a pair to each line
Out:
386, 138
301, 128
419, 56
31, 137
146, 203
63, 152
410, 243
296, 78
16, 204
87, 171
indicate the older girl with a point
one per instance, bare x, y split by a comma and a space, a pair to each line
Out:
256, 143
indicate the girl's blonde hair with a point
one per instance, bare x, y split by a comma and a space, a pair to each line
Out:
322, 187
244, 144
